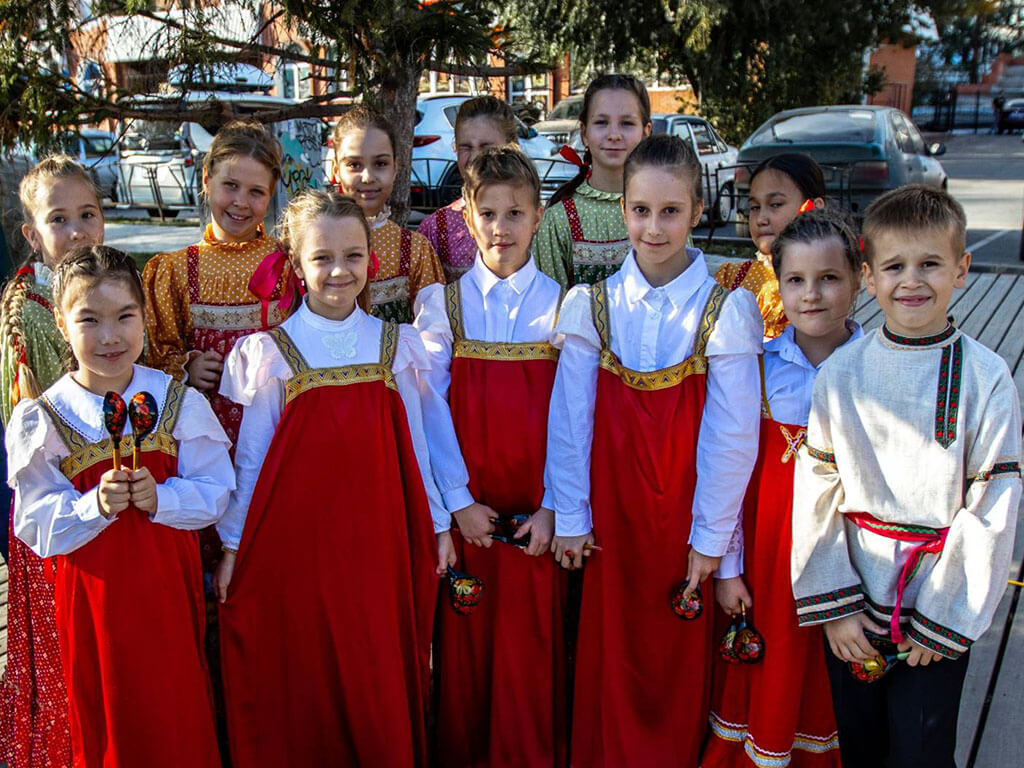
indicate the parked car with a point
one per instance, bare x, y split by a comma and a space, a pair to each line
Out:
717, 160
1012, 116
97, 151
435, 174
863, 151
562, 125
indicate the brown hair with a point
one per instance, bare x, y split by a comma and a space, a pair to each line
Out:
598, 84
819, 224
491, 108
915, 207
307, 207
670, 153
51, 167
500, 165
245, 138
361, 117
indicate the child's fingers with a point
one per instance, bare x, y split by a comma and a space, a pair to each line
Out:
871, 626
524, 529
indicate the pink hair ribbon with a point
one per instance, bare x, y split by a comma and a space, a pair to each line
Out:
265, 279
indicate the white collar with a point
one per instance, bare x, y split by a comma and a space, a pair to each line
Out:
321, 323
83, 409
486, 280
678, 291
784, 345
382, 217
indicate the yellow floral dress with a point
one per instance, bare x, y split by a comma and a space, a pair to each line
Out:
758, 277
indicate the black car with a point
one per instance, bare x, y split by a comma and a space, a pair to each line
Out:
1011, 118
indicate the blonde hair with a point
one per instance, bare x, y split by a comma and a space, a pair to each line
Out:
501, 165
245, 138
490, 108
47, 169
915, 207
313, 204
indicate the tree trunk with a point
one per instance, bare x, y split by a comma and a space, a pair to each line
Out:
398, 103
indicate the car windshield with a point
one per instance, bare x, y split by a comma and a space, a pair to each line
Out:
569, 109
849, 126
658, 124
151, 135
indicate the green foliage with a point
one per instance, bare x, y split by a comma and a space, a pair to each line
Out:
973, 32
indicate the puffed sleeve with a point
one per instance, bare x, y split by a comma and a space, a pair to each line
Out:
979, 545
50, 515
729, 428
424, 268
198, 495
552, 247
411, 363
571, 416
825, 584
428, 228
254, 376
449, 467
168, 319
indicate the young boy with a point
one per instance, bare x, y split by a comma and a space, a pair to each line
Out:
906, 495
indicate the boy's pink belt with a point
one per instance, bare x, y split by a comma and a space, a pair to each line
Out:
930, 540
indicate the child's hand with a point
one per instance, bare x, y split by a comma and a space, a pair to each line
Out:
698, 568
475, 524
445, 552
847, 640
143, 490
729, 593
222, 576
569, 550
204, 371
114, 492
541, 527
918, 653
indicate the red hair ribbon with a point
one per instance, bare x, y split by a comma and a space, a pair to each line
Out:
265, 279
374, 266
25, 271
862, 245
807, 205
571, 155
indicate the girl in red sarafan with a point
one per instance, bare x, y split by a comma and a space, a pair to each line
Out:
489, 338
128, 587
234, 282
779, 710
651, 441
328, 584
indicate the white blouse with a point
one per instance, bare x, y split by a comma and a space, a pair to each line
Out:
53, 518
519, 308
255, 374
654, 328
789, 376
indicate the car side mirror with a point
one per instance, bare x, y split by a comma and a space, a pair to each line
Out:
936, 149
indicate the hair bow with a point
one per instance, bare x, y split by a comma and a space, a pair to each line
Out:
265, 279
807, 205
571, 155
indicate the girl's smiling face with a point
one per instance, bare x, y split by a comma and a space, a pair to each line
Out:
660, 211
365, 162
66, 213
103, 323
332, 259
503, 218
818, 287
774, 201
614, 126
239, 191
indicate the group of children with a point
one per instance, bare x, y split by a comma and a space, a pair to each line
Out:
652, 427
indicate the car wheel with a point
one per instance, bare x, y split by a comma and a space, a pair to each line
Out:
722, 210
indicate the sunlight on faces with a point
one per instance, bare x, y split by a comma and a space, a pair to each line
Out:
660, 210
366, 168
913, 274
503, 218
614, 126
332, 259
473, 136
65, 213
774, 200
103, 323
238, 191
818, 287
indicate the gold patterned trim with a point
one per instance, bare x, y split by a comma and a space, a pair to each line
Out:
600, 254
337, 377
94, 453
653, 380
494, 350
235, 317
453, 308
387, 291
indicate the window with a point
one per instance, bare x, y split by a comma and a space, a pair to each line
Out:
706, 143
294, 76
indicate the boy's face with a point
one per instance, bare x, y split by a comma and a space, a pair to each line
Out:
913, 274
